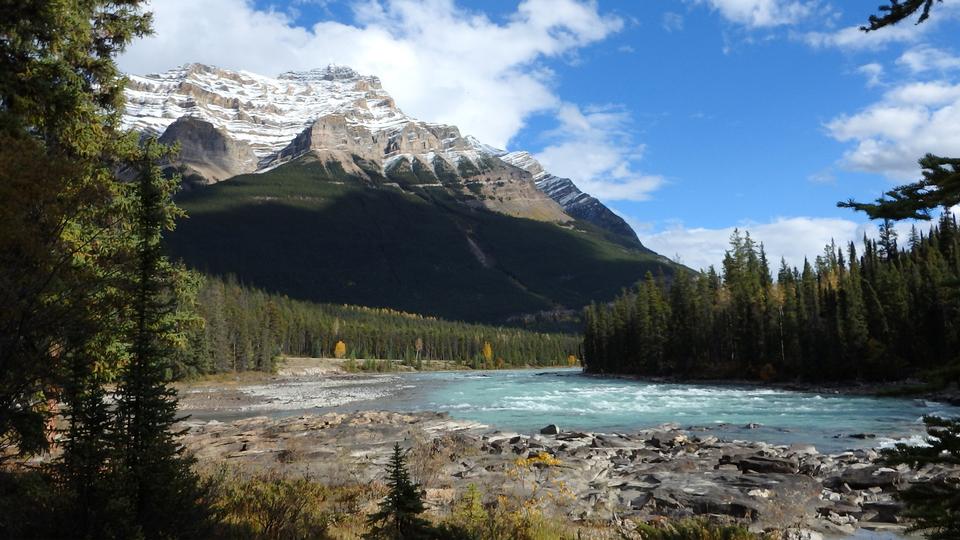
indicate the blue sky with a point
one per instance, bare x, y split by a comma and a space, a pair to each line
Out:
687, 117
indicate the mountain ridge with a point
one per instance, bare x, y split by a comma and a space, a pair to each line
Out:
341, 115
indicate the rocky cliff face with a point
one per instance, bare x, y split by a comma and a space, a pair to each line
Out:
347, 121
207, 153
574, 202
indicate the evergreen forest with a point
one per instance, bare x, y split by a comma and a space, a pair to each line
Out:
886, 312
242, 328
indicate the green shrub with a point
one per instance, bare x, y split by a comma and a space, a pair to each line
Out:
270, 506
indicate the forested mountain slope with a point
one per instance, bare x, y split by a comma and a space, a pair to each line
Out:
313, 231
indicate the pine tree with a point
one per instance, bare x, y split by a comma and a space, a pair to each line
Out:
899, 10
156, 478
934, 505
60, 100
399, 515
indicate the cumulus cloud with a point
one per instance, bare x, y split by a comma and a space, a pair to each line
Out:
789, 238
762, 13
594, 147
873, 72
441, 62
852, 38
910, 120
926, 58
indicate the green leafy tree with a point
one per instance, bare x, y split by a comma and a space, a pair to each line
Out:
399, 515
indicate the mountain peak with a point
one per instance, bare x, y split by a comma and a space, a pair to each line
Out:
332, 72
341, 114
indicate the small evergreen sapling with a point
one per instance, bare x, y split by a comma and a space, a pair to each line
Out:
399, 515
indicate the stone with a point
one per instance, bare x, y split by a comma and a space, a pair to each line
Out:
801, 534
763, 464
550, 429
885, 511
802, 449
864, 476
662, 439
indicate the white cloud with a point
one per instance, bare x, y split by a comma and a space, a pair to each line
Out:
595, 149
442, 63
873, 72
762, 13
926, 58
925, 93
825, 176
852, 38
910, 120
790, 238
672, 22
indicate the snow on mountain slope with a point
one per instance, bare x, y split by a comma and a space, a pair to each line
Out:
264, 112
343, 116
574, 202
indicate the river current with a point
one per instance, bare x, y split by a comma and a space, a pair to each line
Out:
526, 400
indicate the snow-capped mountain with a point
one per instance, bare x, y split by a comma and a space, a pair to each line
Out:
235, 122
263, 112
577, 203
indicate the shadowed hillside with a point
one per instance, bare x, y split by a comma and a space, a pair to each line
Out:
312, 232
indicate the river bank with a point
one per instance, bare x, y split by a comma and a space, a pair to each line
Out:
586, 478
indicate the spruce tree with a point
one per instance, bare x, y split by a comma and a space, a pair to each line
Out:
935, 505
60, 142
399, 515
156, 479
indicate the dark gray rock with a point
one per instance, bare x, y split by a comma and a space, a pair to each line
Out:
883, 511
861, 476
551, 429
764, 464
207, 154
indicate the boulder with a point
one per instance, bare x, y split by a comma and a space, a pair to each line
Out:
551, 429
863, 476
883, 511
802, 449
661, 439
765, 464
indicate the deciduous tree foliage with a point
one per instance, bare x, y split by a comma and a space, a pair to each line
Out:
882, 314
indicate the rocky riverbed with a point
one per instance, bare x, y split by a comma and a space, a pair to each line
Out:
588, 477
